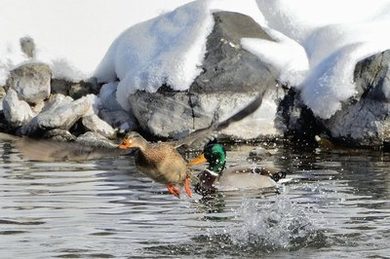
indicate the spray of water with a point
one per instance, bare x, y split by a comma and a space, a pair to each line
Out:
270, 226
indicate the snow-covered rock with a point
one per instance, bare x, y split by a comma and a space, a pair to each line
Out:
231, 78
31, 81
365, 119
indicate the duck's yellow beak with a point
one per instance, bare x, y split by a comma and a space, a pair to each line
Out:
198, 160
126, 144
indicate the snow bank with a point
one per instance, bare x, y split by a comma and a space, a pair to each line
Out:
334, 34
71, 36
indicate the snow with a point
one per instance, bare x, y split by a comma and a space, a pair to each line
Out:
285, 54
317, 43
72, 36
335, 36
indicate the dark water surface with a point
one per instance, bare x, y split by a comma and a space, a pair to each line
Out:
336, 204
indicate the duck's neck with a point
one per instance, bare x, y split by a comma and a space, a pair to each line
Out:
142, 145
217, 167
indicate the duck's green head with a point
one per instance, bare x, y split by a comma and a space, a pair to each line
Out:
213, 153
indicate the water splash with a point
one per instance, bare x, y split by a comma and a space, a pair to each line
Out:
281, 224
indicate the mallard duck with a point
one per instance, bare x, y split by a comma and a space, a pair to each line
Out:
237, 177
160, 161
163, 163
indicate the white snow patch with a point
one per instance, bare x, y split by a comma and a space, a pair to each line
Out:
284, 54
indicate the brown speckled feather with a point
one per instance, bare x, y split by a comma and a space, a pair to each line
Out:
162, 162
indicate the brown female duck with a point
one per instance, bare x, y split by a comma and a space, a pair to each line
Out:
160, 161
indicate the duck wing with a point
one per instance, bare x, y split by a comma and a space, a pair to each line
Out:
205, 134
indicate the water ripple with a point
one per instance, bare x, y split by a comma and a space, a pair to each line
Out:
335, 204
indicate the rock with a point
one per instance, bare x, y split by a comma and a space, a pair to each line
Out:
2, 95
94, 139
111, 111
31, 81
229, 67
231, 78
74, 90
95, 124
27, 46
60, 86
60, 113
372, 77
162, 115
60, 135
79, 90
37, 108
119, 119
296, 120
16, 112
2, 92
363, 120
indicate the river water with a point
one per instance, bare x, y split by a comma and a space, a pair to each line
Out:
334, 204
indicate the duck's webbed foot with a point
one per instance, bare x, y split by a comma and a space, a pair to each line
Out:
187, 186
173, 190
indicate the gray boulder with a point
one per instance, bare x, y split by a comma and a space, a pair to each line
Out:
231, 78
16, 112
364, 120
31, 81
59, 113
95, 124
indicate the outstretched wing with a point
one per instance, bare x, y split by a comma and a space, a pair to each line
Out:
208, 133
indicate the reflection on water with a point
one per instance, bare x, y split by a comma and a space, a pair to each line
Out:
335, 204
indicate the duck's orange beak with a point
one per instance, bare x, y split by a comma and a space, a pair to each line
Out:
126, 144
198, 160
